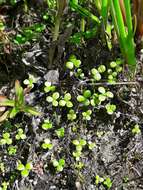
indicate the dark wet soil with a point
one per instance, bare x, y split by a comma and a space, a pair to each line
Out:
118, 152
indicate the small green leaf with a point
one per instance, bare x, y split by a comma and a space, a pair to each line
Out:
69, 65
62, 162
20, 167
101, 68
69, 104
62, 103
87, 94
80, 98
25, 173
55, 95
55, 163
75, 142
67, 96
49, 99
29, 166
113, 64
101, 90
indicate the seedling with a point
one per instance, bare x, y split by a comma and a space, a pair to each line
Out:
47, 124
12, 150
110, 108
29, 33
20, 135
91, 145
73, 62
4, 185
60, 132
98, 179
136, 129
25, 169
17, 104
6, 139
103, 94
87, 115
71, 115
107, 182
54, 99
79, 165
49, 87
84, 99
101, 69
47, 144
30, 81
96, 74
79, 73
79, 146
66, 101
59, 164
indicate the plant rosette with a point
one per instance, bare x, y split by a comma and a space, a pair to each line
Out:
25, 169
47, 124
54, 99
85, 98
49, 87
66, 101
59, 164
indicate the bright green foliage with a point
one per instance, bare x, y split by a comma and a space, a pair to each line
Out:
84, 99
91, 145
110, 108
98, 179
108, 182
124, 33
60, 132
49, 87
136, 129
47, 124
79, 146
71, 115
20, 135
101, 69
95, 74
73, 62
4, 185
29, 33
87, 115
2, 26
66, 101
84, 12
79, 74
54, 99
12, 150
103, 94
47, 144
115, 68
18, 104
30, 81
5, 139
59, 164
2, 167
25, 170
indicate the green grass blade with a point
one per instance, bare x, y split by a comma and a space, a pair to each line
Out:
84, 12
104, 11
